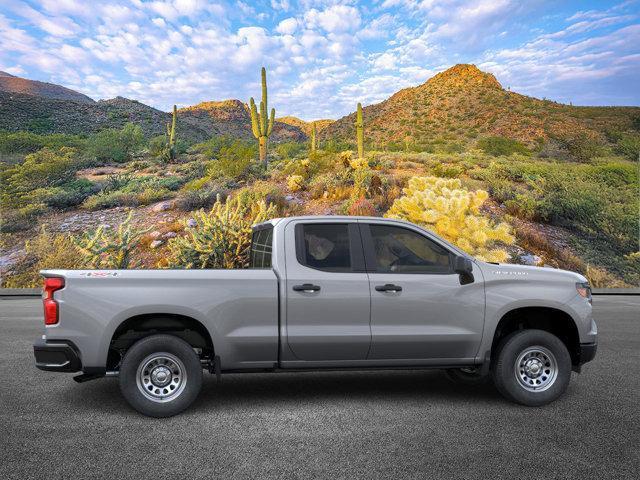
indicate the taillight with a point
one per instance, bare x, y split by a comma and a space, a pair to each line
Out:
51, 285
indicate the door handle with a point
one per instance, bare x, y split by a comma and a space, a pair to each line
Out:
389, 287
306, 288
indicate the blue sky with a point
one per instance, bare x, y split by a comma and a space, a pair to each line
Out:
322, 56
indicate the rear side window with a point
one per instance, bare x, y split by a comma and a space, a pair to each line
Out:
261, 248
400, 250
326, 247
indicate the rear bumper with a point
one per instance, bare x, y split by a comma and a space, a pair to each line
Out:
587, 352
57, 356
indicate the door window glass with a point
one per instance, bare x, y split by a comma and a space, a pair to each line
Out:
400, 250
326, 247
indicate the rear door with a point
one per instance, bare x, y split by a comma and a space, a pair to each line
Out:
419, 308
327, 299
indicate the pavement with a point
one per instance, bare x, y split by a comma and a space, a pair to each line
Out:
338, 425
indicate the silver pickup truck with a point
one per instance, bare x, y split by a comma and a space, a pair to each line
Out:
321, 292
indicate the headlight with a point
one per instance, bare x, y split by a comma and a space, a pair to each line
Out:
584, 290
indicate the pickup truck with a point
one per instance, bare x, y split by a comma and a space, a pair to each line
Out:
321, 293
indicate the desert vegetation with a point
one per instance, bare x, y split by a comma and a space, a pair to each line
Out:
123, 198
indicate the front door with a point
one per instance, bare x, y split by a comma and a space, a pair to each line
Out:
419, 308
328, 302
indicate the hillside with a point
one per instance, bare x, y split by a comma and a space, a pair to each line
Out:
305, 126
232, 118
15, 85
21, 111
464, 103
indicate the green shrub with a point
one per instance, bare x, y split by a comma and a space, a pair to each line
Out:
498, 146
582, 146
194, 200
211, 148
447, 170
629, 146
124, 198
523, 206
27, 142
233, 160
289, 150
22, 218
116, 145
68, 195
43, 169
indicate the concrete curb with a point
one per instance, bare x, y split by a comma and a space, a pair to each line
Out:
616, 291
20, 292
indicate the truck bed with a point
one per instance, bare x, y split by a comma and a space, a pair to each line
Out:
238, 307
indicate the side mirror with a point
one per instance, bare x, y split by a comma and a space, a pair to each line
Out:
463, 267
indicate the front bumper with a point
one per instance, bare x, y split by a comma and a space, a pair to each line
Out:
587, 352
57, 356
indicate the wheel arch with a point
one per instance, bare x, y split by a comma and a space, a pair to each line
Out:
136, 327
553, 320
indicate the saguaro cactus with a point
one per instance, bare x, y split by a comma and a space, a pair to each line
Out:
171, 136
360, 132
314, 140
260, 124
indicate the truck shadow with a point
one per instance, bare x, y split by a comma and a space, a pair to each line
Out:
310, 387
300, 388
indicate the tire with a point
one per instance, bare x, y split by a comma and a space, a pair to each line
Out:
533, 367
160, 375
467, 376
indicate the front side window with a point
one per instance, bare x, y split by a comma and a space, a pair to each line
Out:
325, 247
400, 250
261, 248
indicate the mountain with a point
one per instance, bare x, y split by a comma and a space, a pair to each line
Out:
19, 111
305, 126
16, 85
464, 103
232, 117
48, 108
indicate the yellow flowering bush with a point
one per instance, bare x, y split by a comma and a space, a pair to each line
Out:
453, 212
295, 182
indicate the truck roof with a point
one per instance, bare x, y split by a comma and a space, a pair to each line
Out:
275, 221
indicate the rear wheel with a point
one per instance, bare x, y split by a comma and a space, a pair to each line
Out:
160, 375
533, 367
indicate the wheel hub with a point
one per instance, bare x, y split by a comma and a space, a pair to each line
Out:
536, 369
161, 377
533, 367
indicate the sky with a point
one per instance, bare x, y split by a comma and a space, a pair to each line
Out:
322, 57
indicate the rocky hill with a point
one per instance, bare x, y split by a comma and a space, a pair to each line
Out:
305, 126
16, 85
232, 117
464, 103
44, 114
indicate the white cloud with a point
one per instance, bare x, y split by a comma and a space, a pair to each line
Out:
287, 26
335, 19
159, 22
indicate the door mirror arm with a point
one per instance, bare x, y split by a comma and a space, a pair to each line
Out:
463, 266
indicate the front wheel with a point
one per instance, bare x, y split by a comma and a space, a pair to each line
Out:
533, 367
160, 375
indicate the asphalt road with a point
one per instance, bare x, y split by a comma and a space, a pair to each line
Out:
391, 424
